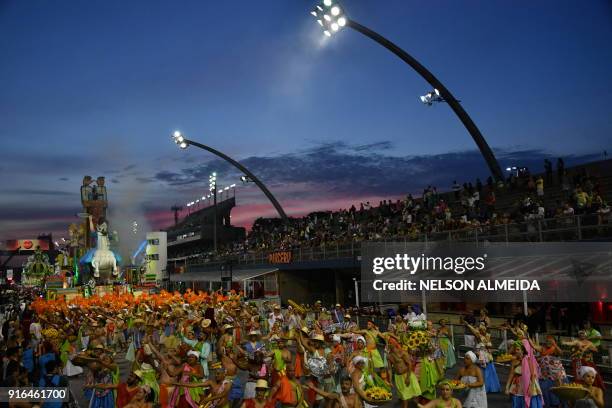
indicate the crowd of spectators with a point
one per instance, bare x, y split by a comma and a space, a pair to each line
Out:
468, 207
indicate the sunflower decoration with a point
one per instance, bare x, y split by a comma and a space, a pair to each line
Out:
419, 341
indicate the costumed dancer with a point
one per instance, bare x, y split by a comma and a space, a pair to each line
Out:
485, 359
595, 398
446, 399
552, 373
582, 355
404, 378
523, 385
471, 375
446, 345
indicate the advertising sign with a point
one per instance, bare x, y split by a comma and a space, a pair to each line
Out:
26, 244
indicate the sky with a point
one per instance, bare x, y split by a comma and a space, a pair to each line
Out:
96, 88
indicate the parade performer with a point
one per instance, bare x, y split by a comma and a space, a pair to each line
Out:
582, 355
523, 384
293, 399
184, 395
485, 359
219, 386
471, 375
362, 380
404, 378
345, 399
552, 373
446, 345
260, 399
446, 399
104, 373
595, 398
371, 334
126, 391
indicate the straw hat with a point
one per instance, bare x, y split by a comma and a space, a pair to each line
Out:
228, 326
261, 384
254, 333
206, 323
318, 337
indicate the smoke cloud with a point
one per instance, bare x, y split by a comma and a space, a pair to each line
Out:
125, 207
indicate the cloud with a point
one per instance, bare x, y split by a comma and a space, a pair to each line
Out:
145, 180
26, 191
129, 167
323, 176
63, 179
340, 169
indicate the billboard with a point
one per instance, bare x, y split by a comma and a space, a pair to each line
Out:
27, 244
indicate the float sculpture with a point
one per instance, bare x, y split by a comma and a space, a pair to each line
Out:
102, 261
37, 268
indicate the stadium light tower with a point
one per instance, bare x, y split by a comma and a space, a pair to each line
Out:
212, 187
332, 19
183, 143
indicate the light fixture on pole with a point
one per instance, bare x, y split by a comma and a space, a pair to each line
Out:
514, 170
212, 187
183, 143
179, 139
332, 18
430, 97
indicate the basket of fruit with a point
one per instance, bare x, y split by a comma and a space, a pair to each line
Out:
378, 394
457, 385
504, 358
570, 392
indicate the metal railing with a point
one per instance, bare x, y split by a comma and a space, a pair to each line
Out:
574, 228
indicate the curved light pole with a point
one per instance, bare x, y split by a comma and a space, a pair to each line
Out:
332, 18
183, 143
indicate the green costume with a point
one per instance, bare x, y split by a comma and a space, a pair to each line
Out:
408, 391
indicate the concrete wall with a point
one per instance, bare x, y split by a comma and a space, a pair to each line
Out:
330, 286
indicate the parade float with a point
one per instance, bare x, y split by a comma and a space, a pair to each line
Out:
37, 269
99, 263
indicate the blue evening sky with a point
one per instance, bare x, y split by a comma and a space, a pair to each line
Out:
96, 87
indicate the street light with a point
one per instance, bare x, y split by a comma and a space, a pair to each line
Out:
336, 15
183, 143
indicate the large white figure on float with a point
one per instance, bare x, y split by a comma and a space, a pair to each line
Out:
103, 258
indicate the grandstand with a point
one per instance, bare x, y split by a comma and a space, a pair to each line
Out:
326, 244
192, 237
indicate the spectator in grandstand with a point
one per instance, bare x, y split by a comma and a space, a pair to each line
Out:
456, 189
560, 168
548, 171
540, 186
